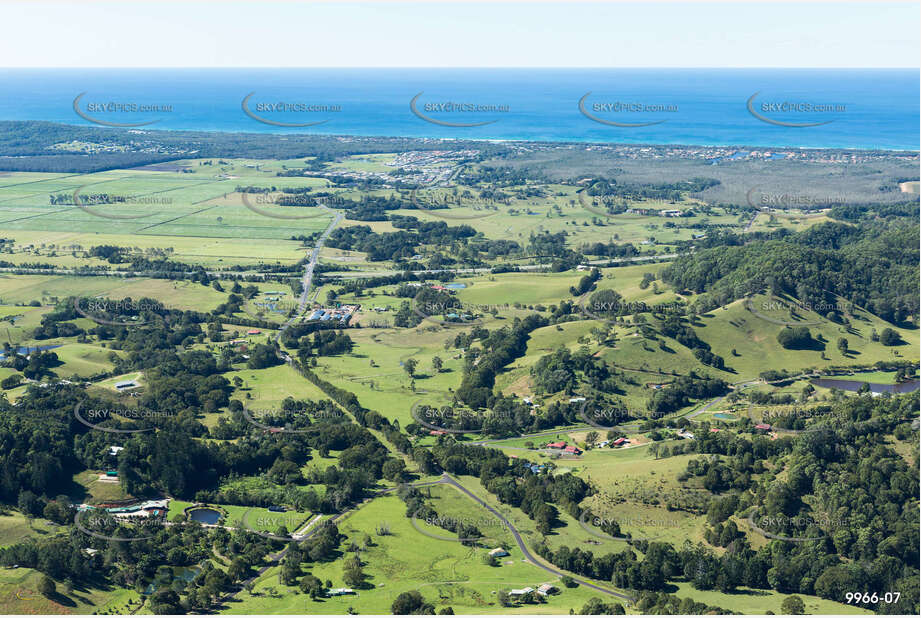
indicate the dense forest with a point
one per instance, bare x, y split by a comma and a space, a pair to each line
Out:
872, 265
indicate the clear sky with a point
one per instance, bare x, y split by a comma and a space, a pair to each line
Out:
163, 33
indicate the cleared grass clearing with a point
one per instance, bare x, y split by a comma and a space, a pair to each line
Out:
634, 489
796, 221
453, 506
874, 377
97, 492
640, 359
365, 163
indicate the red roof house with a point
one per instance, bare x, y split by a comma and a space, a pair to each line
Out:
763, 426
556, 445
619, 441
572, 449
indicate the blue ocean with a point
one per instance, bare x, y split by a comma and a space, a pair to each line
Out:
806, 108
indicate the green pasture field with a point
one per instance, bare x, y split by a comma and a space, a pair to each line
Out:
515, 379
634, 488
318, 462
568, 533
76, 360
755, 340
18, 321
452, 505
630, 352
202, 205
625, 280
55, 247
267, 388
19, 595
50, 289
874, 377
16, 527
527, 288
365, 163
560, 210
445, 572
260, 483
82, 360
344, 257
5, 372
754, 601
385, 386
795, 221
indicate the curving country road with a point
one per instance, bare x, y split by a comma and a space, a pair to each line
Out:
450, 480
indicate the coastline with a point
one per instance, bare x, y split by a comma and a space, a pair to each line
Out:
495, 141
